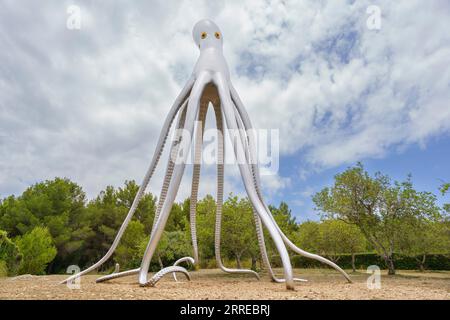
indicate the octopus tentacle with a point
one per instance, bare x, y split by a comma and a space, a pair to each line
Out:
184, 259
228, 111
161, 273
117, 275
261, 242
135, 271
220, 171
167, 177
192, 110
196, 175
247, 123
170, 165
159, 148
251, 160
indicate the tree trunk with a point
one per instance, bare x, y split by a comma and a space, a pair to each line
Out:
238, 261
422, 263
50, 267
353, 263
253, 263
160, 262
390, 264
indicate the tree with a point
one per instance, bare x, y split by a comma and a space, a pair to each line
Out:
283, 217
178, 216
102, 217
106, 213
238, 228
206, 213
9, 254
308, 236
3, 269
423, 237
445, 187
286, 222
376, 205
331, 238
338, 237
59, 205
146, 209
128, 253
172, 246
37, 249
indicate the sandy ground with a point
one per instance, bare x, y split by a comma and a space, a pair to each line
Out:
214, 284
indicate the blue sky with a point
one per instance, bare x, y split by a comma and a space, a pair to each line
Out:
88, 103
429, 166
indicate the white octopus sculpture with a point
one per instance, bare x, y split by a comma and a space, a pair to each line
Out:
209, 83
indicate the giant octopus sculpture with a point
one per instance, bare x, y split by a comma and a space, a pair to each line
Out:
209, 83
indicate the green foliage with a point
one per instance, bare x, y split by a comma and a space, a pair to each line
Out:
10, 255
179, 215
283, 217
444, 191
238, 229
444, 188
338, 237
128, 253
206, 217
285, 220
377, 206
392, 216
105, 215
3, 269
308, 236
363, 260
238, 235
37, 249
331, 238
172, 246
423, 237
59, 205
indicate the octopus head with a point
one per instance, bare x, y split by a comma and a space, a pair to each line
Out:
207, 34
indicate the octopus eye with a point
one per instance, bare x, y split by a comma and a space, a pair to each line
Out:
203, 35
217, 35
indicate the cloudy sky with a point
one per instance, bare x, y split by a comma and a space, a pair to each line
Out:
88, 103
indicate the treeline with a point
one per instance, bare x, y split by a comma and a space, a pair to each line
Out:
52, 225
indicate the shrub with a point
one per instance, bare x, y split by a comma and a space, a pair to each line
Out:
129, 253
9, 254
3, 269
37, 249
363, 260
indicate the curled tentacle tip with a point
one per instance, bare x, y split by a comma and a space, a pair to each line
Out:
184, 259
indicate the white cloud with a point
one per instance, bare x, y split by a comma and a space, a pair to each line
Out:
89, 104
357, 92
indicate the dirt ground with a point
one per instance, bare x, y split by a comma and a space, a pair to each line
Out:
214, 284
